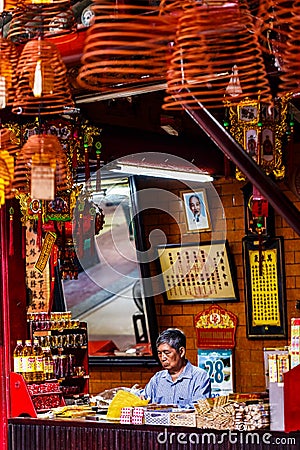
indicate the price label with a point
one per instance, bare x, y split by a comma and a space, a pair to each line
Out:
218, 364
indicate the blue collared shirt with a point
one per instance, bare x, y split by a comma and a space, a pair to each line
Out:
191, 385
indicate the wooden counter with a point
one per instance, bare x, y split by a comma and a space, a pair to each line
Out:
38, 434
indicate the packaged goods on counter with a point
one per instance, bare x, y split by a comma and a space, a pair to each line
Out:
73, 411
232, 413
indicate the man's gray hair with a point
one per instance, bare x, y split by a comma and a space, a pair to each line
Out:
172, 336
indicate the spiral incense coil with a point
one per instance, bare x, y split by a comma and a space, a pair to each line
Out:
9, 141
44, 150
8, 149
290, 74
216, 56
272, 25
5, 179
33, 20
278, 27
42, 81
21, 181
8, 74
126, 44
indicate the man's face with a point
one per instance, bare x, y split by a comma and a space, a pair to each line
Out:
195, 205
170, 358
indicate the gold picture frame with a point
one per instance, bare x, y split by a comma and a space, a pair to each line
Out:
260, 130
197, 272
196, 210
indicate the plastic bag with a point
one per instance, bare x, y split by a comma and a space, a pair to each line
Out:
121, 400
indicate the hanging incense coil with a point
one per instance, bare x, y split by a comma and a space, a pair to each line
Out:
125, 46
272, 23
8, 149
8, 75
44, 150
279, 30
30, 20
5, 181
9, 141
216, 56
6, 169
42, 81
290, 73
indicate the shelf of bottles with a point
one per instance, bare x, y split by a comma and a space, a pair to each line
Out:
56, 350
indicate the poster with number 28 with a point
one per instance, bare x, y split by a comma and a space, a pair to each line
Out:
218, 363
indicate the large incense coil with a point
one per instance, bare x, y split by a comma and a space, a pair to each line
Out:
44, 150
9, 141
55, 91
8, 149
272, 24
290, 69
279, 31
210, 43
8, 75
5, 179
125, 45
33, 20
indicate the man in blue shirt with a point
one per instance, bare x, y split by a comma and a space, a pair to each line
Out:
179, 383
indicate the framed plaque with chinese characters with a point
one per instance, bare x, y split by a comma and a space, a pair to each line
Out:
197, 272
265, 287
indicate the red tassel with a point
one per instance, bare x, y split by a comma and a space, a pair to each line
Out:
11, 250
39, 230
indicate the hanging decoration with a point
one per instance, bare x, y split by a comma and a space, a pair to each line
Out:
29, 20
6, 165
88, 221
42, 87
70, 132
8, 73
11, 231
262, 131
125, 46
42, 167
210, 39
38, 283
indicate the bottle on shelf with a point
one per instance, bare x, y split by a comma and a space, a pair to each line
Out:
39, 361
48, 364
28, 362
17, 355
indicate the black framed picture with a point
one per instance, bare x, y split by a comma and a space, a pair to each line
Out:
196, 210
265, 287
197, 272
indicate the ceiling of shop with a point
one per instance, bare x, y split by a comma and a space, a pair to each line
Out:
138, 124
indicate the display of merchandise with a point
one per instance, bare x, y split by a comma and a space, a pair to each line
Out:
48, 364
39, 361
295, 342
64, 343
17, 355
28, 362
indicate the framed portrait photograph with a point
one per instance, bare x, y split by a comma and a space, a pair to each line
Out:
196, 210
195, 272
